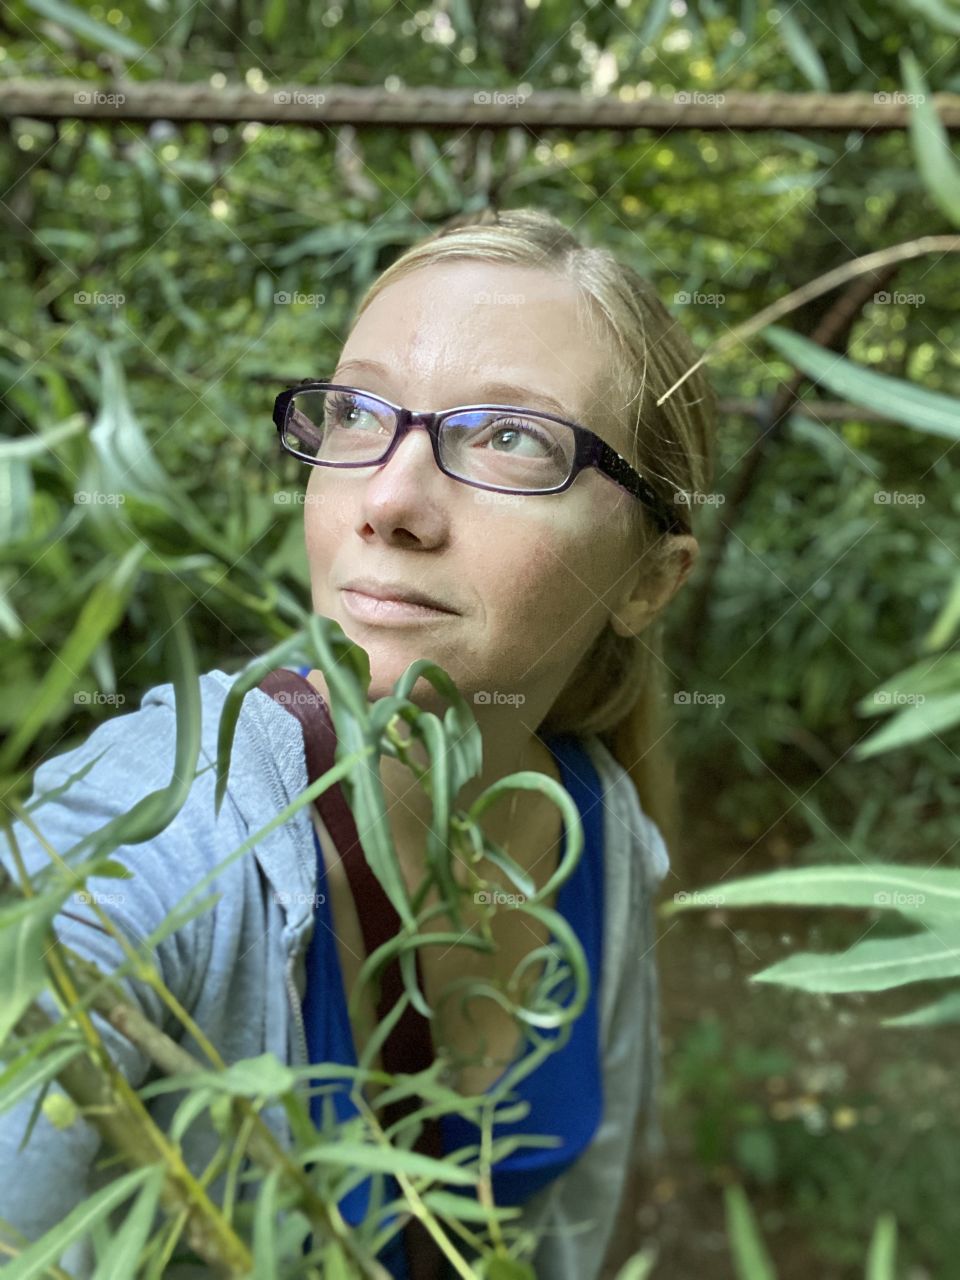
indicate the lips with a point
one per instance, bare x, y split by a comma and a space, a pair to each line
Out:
396, 592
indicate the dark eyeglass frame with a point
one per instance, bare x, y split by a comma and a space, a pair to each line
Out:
590, 450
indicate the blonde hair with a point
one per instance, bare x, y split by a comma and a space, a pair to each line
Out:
618, 689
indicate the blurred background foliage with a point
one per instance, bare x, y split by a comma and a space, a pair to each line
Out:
163, 281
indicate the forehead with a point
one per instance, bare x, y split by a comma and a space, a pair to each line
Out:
445, 330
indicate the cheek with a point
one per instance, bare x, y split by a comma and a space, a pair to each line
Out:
546, 580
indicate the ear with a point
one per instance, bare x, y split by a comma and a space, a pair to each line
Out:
654, 588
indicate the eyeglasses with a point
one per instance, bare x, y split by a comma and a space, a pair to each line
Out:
498, 447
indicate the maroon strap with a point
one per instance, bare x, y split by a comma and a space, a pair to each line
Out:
408, 1048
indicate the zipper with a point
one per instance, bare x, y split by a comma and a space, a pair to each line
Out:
297, 1011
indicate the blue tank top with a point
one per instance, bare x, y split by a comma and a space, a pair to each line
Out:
565, 1091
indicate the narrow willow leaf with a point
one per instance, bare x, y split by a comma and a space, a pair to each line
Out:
100, 614
803, 52
923, 410
19, 1080
80, 23
872, 965
751, 1261
387, 1160
931, 145
123, 1254
915, 723
447, 1204
913, 891
931, 677
265, 1229
23, 945
37, 1257
882, 1259
639, 1267
941, 1012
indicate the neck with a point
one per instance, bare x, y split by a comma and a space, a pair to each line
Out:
509, 746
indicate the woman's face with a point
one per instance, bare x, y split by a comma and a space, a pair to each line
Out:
529, 580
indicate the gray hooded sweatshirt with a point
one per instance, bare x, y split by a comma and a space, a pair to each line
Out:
238, 968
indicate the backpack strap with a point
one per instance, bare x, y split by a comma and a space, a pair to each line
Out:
408, 1048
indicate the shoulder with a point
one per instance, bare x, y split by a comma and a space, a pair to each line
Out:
633, 837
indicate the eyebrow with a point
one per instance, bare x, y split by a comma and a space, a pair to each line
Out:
522, 397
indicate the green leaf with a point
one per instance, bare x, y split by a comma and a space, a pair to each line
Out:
23, 945
19, 1080
123, 1254
913, 891
37, 1257
357, 1155
941, 1012
931, 146
882, 1260
923, 410
100, 614
265, 1229
873, 964
87, 28
803, 52
751, 1261
925, 720
448, 1204
938, 674
639, 1267
500, 1268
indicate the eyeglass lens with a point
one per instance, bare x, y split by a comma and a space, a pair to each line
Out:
522, 452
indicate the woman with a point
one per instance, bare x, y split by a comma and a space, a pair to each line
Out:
546, 586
